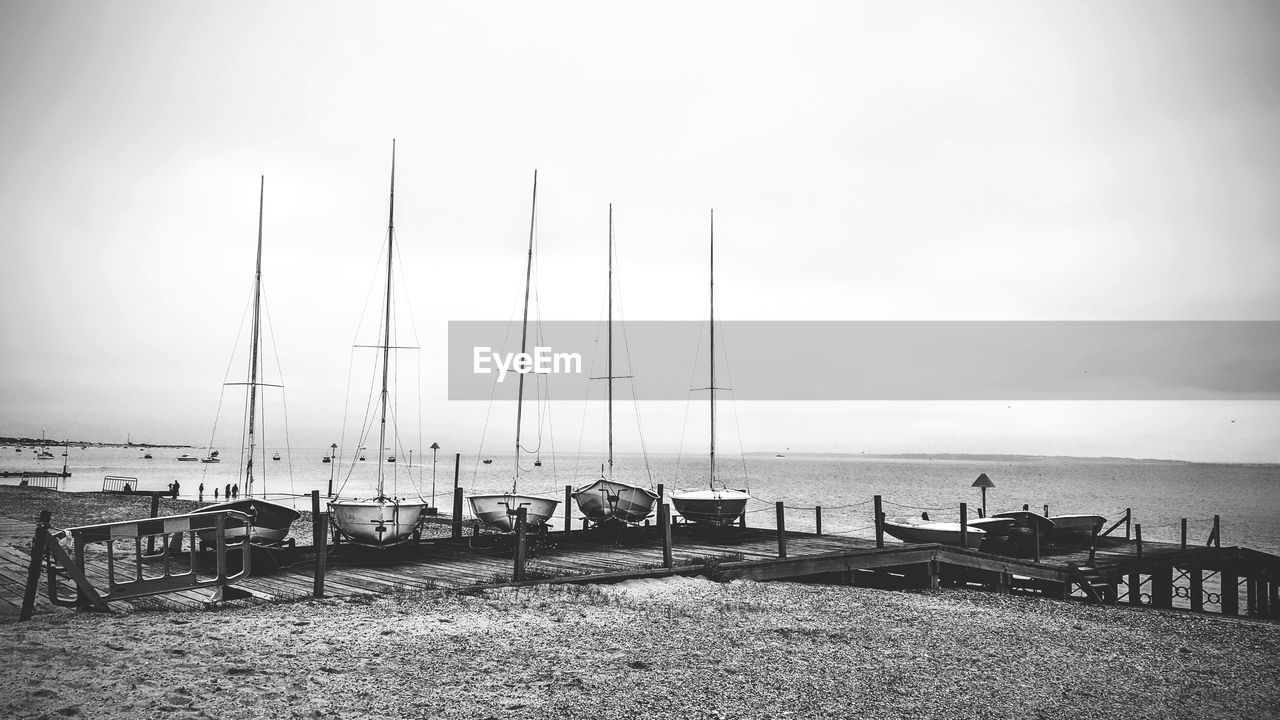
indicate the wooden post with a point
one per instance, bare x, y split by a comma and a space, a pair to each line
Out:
1036, 533
522, 516
1162, 588
933, 569
662, 494
1197, 588
568, 512
1216, 536
879, 523
1135, 589
1184, 533
457, 497
817, 520
33, 569
457, 513
1251, 596
1137, 531
1046, 510
782, 529
964, 525
742, 519
155, 512
1128, 520
664, 520
1093, 545
1230, 593
319, 537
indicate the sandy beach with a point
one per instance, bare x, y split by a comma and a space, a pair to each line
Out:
672, 648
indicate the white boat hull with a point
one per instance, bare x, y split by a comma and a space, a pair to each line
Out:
714, 508
1077, 524
379, 523
612, 500
921, 531
499, 511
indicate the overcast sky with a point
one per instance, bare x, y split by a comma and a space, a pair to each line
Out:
866, 160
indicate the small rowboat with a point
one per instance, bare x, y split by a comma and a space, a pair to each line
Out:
928, 531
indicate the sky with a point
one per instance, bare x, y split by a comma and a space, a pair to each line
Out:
865, 160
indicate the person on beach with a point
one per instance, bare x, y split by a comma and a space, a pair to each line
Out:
200, 493
215, 494
170, 487
176, 485
226, 493
235, 490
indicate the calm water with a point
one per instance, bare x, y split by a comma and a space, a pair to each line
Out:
1247, 497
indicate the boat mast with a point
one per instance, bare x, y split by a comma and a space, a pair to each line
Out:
713, 348
609, 354
524, 328
386, 325
253, 352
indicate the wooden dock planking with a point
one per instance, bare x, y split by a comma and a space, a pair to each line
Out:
578, 556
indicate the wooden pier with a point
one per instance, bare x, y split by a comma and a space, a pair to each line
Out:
1231, 581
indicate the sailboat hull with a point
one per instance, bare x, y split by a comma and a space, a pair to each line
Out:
714, 508
612, 500
945, 533
269, 525
499, 511
376, 523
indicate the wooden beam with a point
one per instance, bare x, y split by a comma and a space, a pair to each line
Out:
33, 569
782, 528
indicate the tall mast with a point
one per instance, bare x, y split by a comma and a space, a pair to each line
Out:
386, 326
713, 348
253, 352
609, 354
524, 328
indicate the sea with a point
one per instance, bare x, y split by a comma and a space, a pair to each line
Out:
1160, 493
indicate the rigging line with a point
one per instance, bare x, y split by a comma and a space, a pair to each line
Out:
635, 394
493, 392
733, 402
275, 352
688, 402
226, 377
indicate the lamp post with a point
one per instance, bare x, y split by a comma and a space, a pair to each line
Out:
983, 482
434, 447
333, 460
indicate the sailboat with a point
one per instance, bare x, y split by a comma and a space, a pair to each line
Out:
499, 510
44, 453
269, 522
381, 521
212, 458
607, 500
715, 506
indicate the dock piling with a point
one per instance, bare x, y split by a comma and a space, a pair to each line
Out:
522, 516
33, 569
1184, 533
457, 513
964, 525
319, 536
879, 523
1137, 531
568, 513
1229, 592
817, 520
782, 529
664, 521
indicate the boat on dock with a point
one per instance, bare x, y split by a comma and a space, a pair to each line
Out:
499, 510
914, 530
714, 506
1076, 525
606, 499
1027, 527
382, 521
269, 522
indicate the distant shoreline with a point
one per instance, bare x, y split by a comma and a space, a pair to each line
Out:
90, 443
1003, 458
